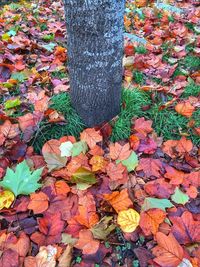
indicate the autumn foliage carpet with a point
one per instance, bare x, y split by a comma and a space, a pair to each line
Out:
122, 194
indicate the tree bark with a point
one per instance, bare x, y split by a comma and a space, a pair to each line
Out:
95, 50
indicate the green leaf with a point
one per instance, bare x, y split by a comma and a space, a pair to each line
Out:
22, 181
78, 148
151, 203
11, 103
131, 162
48, 37
103, 228
68, 239
49, 47
83, 175
19, 76
179, 197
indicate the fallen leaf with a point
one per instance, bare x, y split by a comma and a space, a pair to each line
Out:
150, 220
143, 127
119, 200
83, 175
128, 220
91, 137
168, 252
119, 152
52, 155
185, 108
185, 228
87, 243
39, 202
179, 197
150, 203
66, 257
6, 199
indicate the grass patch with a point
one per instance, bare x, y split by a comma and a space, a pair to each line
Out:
167, 122
192, 89
47, 131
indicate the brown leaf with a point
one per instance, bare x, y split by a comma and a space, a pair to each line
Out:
66, 258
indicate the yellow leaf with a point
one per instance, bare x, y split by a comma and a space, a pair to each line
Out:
128, 220
6, 199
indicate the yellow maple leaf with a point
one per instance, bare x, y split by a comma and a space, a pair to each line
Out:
128, 220
6, 199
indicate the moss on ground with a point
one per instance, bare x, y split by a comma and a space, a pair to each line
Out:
167, 122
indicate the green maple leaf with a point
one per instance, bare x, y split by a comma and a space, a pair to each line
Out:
22, 181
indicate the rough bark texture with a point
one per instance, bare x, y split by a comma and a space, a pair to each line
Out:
95, 49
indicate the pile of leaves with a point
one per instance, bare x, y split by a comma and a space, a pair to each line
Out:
84, 200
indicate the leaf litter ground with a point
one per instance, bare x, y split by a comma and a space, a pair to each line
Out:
125, 193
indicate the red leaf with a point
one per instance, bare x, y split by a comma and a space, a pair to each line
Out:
168, 252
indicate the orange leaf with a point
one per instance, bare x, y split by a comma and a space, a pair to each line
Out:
98, 163
176, 177
119, 200
119, 152
150, 220
87, 243
168, 252
62, 188
185, 109
87, 211
91, 137
184, 145
39, 202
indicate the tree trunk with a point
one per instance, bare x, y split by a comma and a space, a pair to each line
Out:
95, 50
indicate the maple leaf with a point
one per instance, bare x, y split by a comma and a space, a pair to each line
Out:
20, 244
168, 252
39, 202
143, 127
128, 220
151, 167
91, 137
119, 152
150, 220
117, 174
98, 163
22, 181
185, 229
